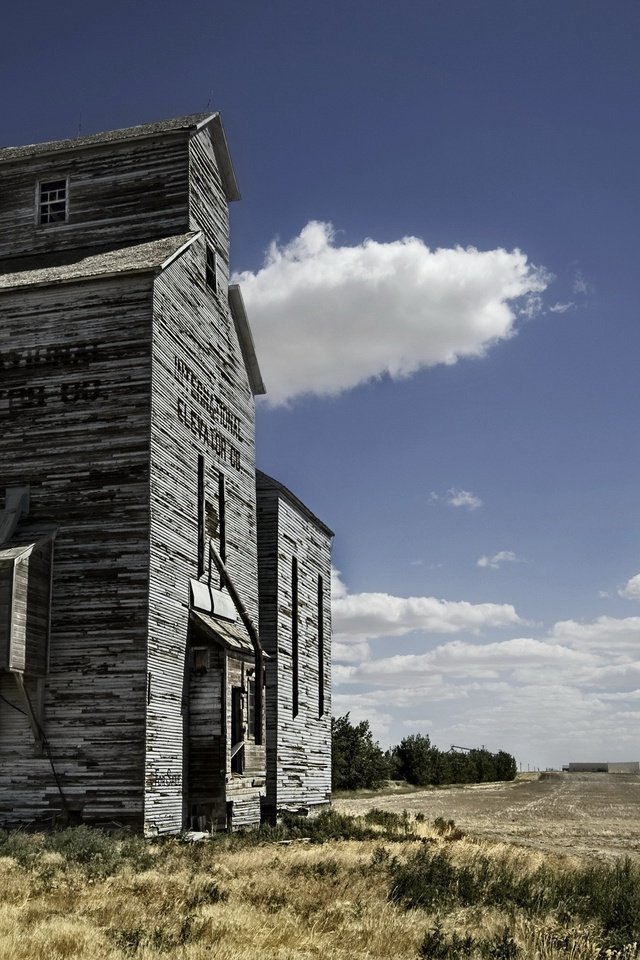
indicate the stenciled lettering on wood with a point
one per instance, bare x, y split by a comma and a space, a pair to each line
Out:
29, 360
214, 408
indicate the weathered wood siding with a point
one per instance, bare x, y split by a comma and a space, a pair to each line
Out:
118, 193
202, 406
298, 747
207, 203
206, 757
37, 608
75, 366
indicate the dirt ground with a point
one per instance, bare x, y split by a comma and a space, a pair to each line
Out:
589, 815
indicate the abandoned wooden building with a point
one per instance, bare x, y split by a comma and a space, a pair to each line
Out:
165, 617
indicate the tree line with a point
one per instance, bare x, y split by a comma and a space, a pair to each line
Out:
358, 761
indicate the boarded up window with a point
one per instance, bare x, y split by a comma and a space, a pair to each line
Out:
25, 602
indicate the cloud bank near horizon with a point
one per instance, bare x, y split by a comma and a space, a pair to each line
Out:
570, 692
327, 318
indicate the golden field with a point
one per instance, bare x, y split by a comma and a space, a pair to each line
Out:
406, 888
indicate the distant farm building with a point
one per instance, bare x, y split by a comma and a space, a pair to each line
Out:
604, 767
165, 628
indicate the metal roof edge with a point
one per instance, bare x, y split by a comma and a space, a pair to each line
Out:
223, 155
247, 346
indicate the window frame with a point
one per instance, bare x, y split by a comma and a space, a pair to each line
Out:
40, 206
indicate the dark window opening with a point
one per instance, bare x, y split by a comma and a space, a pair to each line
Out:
222, 520
320, 647
295, 665
211, 270
200, 515
251, 707
199, 659
237, 731
52, 201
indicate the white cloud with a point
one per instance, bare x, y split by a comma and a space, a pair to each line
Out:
631, 589
361, 617
561, 307
462, 498
611, 635
503, 556
457, 497
571, 693
326, 318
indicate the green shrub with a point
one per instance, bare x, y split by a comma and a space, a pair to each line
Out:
608, 894
357, 761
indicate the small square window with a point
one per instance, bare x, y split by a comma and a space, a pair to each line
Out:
211, 270
52, 201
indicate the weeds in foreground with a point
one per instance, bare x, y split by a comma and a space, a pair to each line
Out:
384, 886
607, 895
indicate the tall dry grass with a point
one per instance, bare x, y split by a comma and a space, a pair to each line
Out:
81, 894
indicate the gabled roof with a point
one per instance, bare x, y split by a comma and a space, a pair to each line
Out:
190, 124
245, 337
265, 482
47, 269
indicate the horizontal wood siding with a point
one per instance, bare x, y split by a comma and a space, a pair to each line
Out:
202, 405
300, 759
38, 609
207, 203
74, 402
118, 193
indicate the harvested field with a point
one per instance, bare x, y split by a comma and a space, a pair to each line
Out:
587, 815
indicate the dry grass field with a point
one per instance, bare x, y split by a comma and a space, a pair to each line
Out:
517, 882
591, 815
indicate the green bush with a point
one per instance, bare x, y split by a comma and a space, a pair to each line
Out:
608, 894
357, 762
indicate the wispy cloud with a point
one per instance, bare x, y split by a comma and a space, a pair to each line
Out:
580, 284
631, 589
327, 317
463, 498
503, 556
562, 307
456, 498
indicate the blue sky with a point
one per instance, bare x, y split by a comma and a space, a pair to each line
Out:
462, 415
